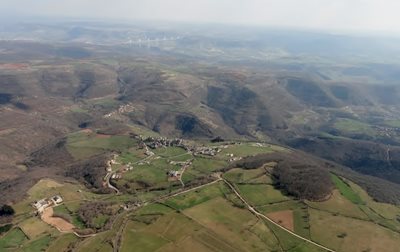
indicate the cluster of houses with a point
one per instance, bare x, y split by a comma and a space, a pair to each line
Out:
127, 108
386, 131
154, 143
232, 157
208, 151
116, 176
42, 204
174, 174
111, 162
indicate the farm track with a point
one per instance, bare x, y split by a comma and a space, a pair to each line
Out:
254, 211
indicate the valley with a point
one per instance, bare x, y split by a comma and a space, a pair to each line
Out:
211, 139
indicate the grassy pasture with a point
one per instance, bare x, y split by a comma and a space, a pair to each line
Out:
82, 145
348, 234
106, 103
280, 206
300, 214
100, 220
222, 218
47, 188
169, 152
387, 211
207, 165
238, 175
131, 156
191, 174
62, 242
141, 241
96, 243
353, 126
61, 209
38, 245
181, 158
261, 194
34, 227
153, 209
149, 173
190, 199
145, 132
246, 149
301, 222
338, 204
346, 190
13, 239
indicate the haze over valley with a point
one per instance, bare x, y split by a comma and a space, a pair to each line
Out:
158, 135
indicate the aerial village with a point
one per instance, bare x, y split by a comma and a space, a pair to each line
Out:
149, 144
42, 204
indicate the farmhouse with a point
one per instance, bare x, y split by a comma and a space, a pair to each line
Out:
173, 174
42, 204
57, 199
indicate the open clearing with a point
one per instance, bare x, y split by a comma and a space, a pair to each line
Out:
12, 239
232, 224
62, 243
33, 227
196, 197
283, 218
348, 234
59, 223
262, 194
346, 190
337, 203
38, 245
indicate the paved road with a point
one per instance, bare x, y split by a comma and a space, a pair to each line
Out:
108, 177
254, 211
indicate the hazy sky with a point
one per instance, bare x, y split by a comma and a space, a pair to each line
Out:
364, 15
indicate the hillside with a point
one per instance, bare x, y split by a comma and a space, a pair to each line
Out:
190, 193
161, 140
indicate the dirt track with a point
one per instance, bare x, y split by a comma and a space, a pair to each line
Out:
253, 210
56, 222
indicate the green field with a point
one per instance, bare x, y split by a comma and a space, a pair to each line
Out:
38, 245
196, 197
353, 126
63, 242
170, 152
13, 239
339, 204
82, 144
346, 190
349, 234
34, 227
142, 242
232, 224
153, 174
61, 209
131, 156
261, 194
238, 175
247, 149
156, 209
207, 165
100, 220
210, 218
